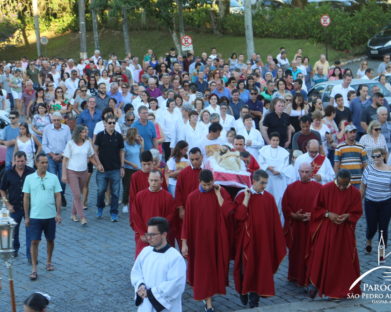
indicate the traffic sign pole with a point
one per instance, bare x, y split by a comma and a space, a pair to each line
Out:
325, 21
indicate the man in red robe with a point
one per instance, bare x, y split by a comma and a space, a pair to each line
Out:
205, 239
187, 181
152, 202
333, 264
298, 203
260, 243
139, 180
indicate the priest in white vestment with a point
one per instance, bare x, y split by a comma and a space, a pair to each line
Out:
322, 171
159, 272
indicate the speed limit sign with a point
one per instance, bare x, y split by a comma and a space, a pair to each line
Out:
325, 20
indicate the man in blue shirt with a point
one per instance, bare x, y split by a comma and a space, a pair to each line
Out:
357, 105
221, 90
90, 116
255, 106
146, 129
115, 94
10, 134
236, 104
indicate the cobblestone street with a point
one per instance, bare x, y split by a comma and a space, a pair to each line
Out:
92, 266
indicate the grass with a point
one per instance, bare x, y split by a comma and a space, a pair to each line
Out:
67, 45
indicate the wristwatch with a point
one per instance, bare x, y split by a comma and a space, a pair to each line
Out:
326, 215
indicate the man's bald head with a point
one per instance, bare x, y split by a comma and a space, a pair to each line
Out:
305, 172
313, 147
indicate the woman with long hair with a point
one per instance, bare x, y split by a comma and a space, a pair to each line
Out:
28, 143
40, 121
336, 73
176, 163
32, 107
134, 146
77, 153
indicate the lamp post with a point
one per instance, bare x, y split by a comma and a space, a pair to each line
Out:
7, 226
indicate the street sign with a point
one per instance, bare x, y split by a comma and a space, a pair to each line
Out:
44, 40
325, 20
187, 43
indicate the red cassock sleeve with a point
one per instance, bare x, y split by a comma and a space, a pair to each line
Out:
138, 224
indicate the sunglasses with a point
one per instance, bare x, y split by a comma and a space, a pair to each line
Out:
376, 156
111, 123
129, 119
12, 117
377, 129
254, 93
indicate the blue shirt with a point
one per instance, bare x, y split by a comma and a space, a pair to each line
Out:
356, 107
236, 107
55, 140
10, 133
244, 96
225, 93
148, 133
42, 191
132, 154
117, 96
86, 119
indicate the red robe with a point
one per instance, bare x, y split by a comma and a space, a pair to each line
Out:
139, 182
204, 228
260, 244
253, 165
298, 195
147, 205
187, 181
333, 264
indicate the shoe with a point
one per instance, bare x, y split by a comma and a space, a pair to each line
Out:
253, 300
33, 276
125, 209
16, 254
99, 213
114, 217
83, 221
209, 310
312, 291
85, 207
63, 201
243, 299
368, 247
74, 218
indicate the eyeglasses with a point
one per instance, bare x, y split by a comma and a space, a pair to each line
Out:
129, 119
254, 93
377, 129
12, 117
150, 235
83, 90
50, 86
42, 185
374, 156
111, 122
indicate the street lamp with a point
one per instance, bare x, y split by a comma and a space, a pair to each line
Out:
7, 226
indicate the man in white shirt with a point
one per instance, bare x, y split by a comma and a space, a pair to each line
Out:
368, 74
322, 171
135, 69
342, 89
159, 272
253, 137
71, 84
239, 123
213, 141
96, 57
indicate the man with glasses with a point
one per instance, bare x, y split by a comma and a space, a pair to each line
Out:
159, 272
109, 153
71, 84
90, 116
333, 263
54, 139
259, 233
11, 192
255, 106
351, 156
10, 133
146, 129
42, 210
322, 170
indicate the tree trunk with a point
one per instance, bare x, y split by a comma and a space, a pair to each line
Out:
213, 22
23, 29
36, 27
248, 25
224, 6
175, 39
94, 26
125, 30
82, 29
181, 23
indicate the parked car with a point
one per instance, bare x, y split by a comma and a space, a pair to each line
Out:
380, 43
324, 89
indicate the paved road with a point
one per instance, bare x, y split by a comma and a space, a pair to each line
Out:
92, 266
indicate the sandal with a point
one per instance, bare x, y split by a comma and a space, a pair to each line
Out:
49, 267
74, 218
33, 276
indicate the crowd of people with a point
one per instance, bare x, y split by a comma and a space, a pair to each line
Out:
149, 126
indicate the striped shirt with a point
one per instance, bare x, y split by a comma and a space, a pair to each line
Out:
378, 184
352, 158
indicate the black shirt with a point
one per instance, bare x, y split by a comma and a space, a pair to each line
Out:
109, 149
277, 124
346, 114
13, 184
